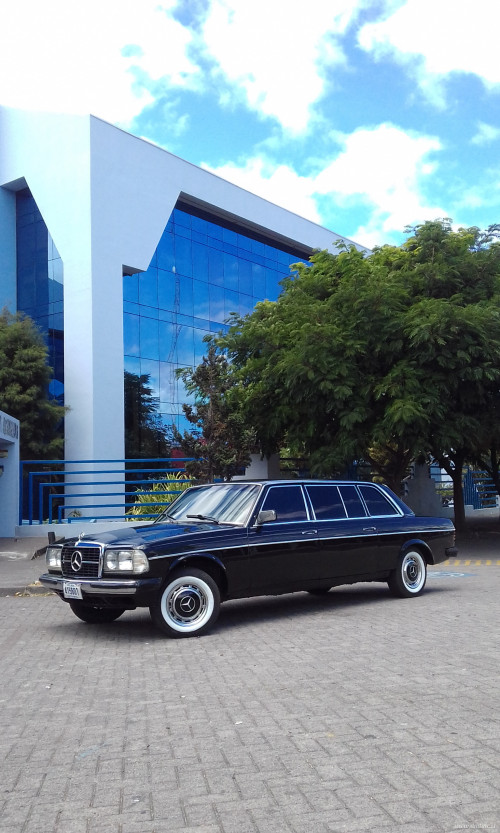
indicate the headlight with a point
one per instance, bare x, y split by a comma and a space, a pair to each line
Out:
53, 558
128, 561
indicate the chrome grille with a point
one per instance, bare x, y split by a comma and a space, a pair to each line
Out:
80, 561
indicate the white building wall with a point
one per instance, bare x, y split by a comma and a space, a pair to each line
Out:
9, 474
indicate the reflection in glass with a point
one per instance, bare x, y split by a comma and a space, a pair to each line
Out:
149, 338
217, 313
131, 335
165, 255
200, 273
183, 257
231, 271
185, 347
148, 288
229, 503
168, 293
185, 296
40, 279
201, 305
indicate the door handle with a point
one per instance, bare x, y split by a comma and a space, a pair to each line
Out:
370, 529
310, 532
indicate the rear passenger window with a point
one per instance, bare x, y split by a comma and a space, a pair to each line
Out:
376, 502
288, 503
352, 502
327, 503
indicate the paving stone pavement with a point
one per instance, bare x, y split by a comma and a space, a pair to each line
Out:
297, 714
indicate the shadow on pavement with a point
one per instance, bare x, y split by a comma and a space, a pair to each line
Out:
138, 625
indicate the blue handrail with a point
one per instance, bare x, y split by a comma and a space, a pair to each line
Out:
55, 472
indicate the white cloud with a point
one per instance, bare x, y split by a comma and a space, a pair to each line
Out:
385, 168
381, 169
277, 52
75, 57
113, 57
486, 134
279, 184
484, 193
439, 38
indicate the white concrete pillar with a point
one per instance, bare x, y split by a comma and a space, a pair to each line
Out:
9, 475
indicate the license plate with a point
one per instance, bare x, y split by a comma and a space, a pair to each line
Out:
72, 590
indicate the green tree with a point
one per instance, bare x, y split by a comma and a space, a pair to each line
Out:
381, 358
24, 382
145, 434
221, 442
308, 363
453, 326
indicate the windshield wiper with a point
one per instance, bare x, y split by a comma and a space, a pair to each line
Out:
162, 516
203, 518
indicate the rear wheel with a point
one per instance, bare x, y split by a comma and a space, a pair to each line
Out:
188, 605
96, 615
410, 575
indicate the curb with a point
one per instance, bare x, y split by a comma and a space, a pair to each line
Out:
26, 590
470, 562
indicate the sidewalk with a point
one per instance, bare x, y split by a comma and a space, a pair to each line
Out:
22, 560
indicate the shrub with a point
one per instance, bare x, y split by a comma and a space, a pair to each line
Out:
153, 501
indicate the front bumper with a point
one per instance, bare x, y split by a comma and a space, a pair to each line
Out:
133, 592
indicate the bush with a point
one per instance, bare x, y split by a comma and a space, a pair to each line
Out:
153, 501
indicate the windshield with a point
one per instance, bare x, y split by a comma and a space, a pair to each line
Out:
229, 503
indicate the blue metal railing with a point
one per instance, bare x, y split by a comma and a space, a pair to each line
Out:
479, 489
46, 488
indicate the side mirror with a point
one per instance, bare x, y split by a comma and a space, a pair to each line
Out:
266, 516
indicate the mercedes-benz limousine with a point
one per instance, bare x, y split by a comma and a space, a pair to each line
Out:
234, 540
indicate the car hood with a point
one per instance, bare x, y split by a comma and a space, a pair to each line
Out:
148, 536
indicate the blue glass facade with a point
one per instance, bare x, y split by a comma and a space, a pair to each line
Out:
40, 283
201, 271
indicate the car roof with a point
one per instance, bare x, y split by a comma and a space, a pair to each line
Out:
307, 481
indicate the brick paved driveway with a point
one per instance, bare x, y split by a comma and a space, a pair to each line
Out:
351, 712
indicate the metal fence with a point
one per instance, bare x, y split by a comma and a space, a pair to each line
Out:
52, 491
479, 489
55, 491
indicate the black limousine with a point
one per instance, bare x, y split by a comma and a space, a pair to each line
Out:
235, 540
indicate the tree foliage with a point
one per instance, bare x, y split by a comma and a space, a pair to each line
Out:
24, 382
379, 358
152, 501
221, 441
145, 433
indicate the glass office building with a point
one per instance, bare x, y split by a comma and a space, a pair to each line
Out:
201, 272
153, 253
40, 283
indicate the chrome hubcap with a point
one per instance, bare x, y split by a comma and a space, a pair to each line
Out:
412, 572
186, 604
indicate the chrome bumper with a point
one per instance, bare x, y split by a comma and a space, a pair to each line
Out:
105, 587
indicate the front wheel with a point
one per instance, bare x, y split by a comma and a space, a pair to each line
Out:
409, 577
188, 605
96, 615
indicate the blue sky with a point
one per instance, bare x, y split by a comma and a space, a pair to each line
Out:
362, 115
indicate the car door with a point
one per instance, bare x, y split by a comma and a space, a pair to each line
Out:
284, 553
391, 524
348, 536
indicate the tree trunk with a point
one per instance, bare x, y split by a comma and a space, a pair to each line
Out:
458, 499
453, 466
